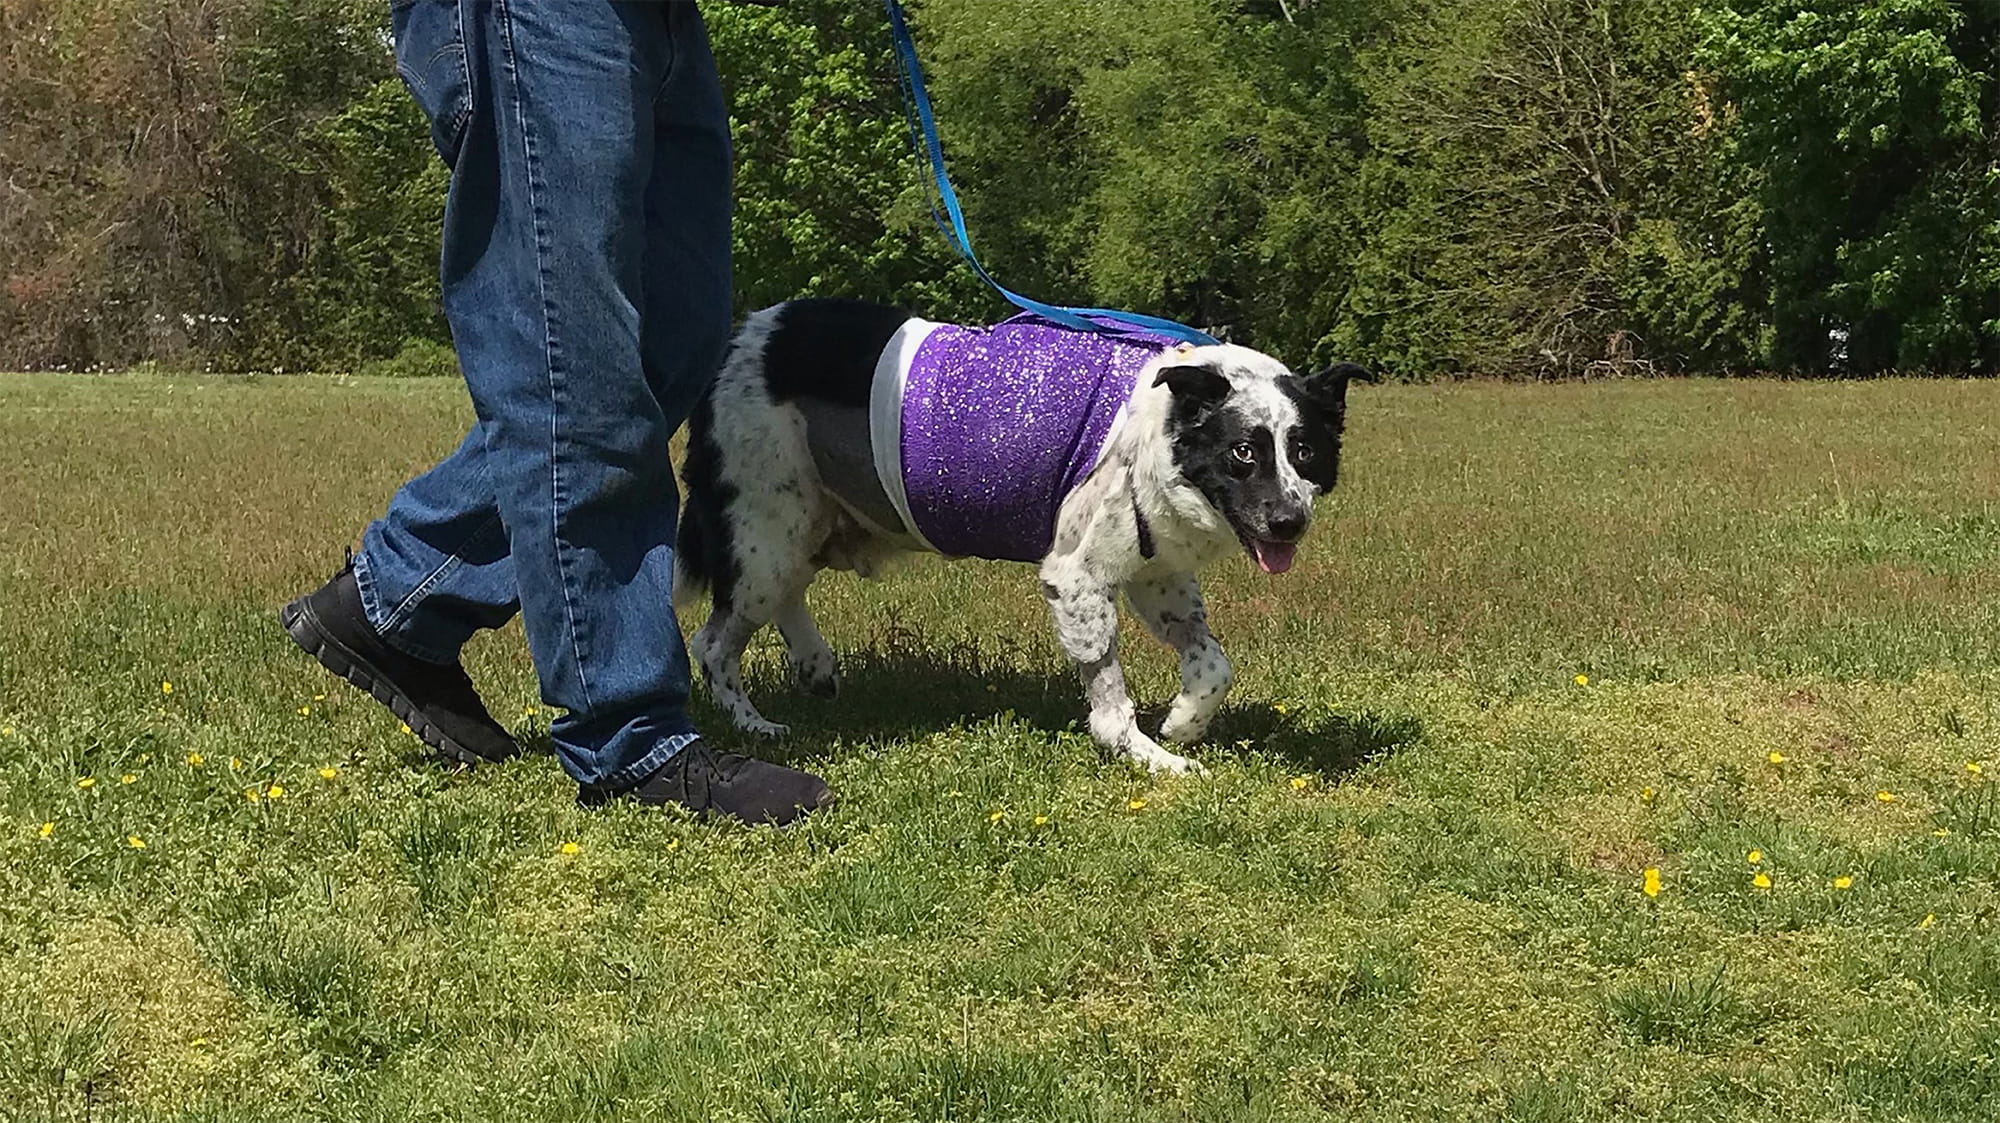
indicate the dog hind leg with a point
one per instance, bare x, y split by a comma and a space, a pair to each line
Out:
806, 650
1171, 609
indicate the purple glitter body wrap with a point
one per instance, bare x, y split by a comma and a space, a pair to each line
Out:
1000, 424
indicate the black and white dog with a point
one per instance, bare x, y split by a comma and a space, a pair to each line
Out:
793, 467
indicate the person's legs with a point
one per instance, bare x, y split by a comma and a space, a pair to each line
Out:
586, 279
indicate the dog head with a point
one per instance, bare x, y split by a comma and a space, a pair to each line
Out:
1257, 441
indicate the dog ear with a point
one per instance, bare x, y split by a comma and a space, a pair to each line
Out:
1196, 390
1328, 388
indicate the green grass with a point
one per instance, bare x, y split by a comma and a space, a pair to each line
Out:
1410, 888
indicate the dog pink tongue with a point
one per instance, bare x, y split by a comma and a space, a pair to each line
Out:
1274, 557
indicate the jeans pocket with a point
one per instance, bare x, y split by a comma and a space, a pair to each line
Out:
430, 58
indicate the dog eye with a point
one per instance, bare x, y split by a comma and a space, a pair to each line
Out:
1303, 454
1242, 451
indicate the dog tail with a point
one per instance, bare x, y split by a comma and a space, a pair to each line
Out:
699, 539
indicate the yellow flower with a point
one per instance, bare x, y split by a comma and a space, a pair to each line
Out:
1843, 882
135, 842
305, 711
87, 782
166, 688
1941, 832
1651, 887
329, 772
128, 778
1929, 919
1885, 797
1041, 820
1281, 708
319, 697
1137, 805
570, 849
407, 729
1583, 680
1645, 795
194, 760
1974, 767
1776, 757
198, 1042
1301, 783
276, 791
1762, 880
252, 794
1754, 856
235, 763
6, 731
529, 711
996, 816
673, 844
48, 829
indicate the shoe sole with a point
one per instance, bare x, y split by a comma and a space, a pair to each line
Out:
302, 624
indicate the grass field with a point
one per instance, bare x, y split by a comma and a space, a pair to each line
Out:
1544, 640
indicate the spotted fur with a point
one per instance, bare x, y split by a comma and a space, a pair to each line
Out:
1223, 449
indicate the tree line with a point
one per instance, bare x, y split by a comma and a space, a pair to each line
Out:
1516, 188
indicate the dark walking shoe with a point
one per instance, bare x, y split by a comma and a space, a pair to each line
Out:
436, 700
739, 787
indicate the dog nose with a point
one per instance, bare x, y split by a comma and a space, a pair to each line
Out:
1287, 526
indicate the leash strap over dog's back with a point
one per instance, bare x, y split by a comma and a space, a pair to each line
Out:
951, 219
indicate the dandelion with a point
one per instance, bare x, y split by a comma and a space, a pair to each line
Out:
1137, 805
1645, 795
195, 760
166, 687
1885, 797
128, 778
305, 711
1301, 783
87, 783
275, 791
1941, 832
407, 729
1762, 880
329, 772
1281, 708
1583, 680
996, 816
1929, 919
135, 842
1974, 768
6, 731
571, 849
1041, 820
252, 794
236, 764
1776, 757
529, 711
1651, 886
1843, 882
673, 844
1754, 857
319, 697
48, 829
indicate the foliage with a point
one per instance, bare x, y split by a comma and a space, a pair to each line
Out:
1529, 188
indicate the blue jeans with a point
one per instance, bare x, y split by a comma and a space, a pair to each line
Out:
586, 281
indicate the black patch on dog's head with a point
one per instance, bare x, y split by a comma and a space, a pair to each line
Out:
1321, 399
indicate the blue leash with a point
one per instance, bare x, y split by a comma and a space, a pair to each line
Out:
951, 219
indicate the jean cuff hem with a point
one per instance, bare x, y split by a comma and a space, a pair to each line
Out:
632, 775
371, 607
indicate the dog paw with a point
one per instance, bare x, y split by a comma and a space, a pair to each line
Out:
1160, 762
1183, 732
758, 727
819, 682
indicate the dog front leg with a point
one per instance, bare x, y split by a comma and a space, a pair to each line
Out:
1171, 609
1086, 622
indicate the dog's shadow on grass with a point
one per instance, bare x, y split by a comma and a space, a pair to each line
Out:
901, 684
